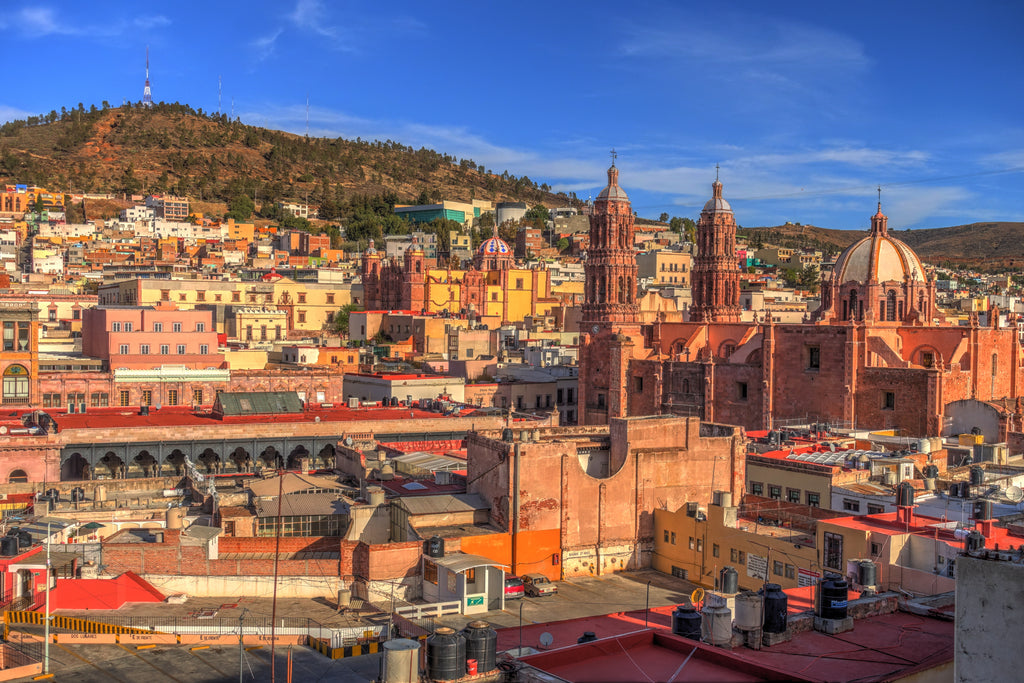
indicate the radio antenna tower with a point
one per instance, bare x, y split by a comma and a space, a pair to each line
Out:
307, 115
218, 95
147, 94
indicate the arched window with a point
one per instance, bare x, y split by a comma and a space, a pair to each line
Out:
17, 477
15, 385
622, 290
995, 369
853, 305
920, 303
890, 305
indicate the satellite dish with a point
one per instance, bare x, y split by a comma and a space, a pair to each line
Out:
1014, 493
3, 429
832, 447
546, 639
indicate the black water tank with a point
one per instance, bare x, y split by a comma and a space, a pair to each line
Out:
587, 637
8, 546
867, 573
24, 539
446, 655
975, 541
507, 436
77, 494
832, 597
977, 475
931, 471
481, 645
905, 495
729, 580
435, 546
776, 608
686, 622
54, 495
982, 509
394, 401
964, 490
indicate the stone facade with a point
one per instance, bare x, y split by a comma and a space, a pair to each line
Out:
716, 272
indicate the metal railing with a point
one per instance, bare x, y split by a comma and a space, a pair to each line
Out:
434, 609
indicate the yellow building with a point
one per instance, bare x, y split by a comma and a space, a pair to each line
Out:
309, 307
239, 231
665, 268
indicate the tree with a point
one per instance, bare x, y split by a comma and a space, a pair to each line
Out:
538, 215
663, 218
241, 207
39, 207
341, 318
563, 244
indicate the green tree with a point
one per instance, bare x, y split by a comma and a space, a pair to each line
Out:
341, 318
39, 207
663, 218
538, 216
563, 244
241, 207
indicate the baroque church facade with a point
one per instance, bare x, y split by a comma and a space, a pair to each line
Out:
877, 353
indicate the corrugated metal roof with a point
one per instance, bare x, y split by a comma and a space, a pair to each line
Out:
302, 504
432, 505
257, 403
836, 458
292, 483
460, 562
421, 462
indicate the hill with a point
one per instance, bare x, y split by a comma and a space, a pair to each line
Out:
173, 148
993, 246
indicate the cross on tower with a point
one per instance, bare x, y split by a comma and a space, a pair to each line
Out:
716, 173
614, 156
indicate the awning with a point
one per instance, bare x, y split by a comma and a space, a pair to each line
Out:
92, 525
460, 562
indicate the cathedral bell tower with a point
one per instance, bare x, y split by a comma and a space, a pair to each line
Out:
715, 280
610, 320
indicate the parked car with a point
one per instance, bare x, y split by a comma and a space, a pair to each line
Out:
514, 588
538, 585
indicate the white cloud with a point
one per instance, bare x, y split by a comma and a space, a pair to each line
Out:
38, 22
8, 113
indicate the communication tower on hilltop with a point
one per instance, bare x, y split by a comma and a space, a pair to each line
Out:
147, 95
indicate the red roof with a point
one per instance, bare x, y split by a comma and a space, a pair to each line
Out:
94, 594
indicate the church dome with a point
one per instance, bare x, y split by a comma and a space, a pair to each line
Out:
716, 204
494, 246
879, 258
613, 192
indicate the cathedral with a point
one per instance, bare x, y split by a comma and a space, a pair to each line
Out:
492, 288
877, 353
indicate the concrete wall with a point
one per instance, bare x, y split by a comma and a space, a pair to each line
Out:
989, 594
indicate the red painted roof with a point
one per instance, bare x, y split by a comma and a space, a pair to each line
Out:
102, 593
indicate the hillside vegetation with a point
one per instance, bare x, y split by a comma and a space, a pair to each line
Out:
991, 246
173, 148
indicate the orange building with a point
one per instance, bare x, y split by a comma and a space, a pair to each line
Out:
19, 357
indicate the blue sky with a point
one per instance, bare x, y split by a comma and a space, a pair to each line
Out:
806, 106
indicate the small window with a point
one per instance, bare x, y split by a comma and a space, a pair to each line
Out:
116, 327
741, 391
181, 349
875, 509
430, 572
666, 535
200, 327
692, 544
776, 568
790, 571
164, 349
236, 296
158, 327
204, 349
734, 555
850, 505
302, 316
756, 488
330, 297
793, 495
679, 572
813, 499
144, 349
127, 327
714, 550
600, 400
176, 327
673, 538
638, 384
813, 357
889, 400
123, 349
147, 397
876, 549
172, 397
775, 492
519, 283
927, 359
124, 398
197, 397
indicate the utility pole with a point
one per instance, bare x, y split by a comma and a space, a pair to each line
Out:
46, 628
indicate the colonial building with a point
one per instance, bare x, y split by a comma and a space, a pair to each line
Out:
877, 354
493, 287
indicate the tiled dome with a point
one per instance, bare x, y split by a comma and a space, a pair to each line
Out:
494, 246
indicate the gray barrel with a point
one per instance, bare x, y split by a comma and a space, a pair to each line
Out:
867, 573
905, 495
977, 475
587, 637
729, 580
401, 661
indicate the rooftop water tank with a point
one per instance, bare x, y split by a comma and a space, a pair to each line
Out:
749, 612
481, 645
729, 580
446, 655
977, 475
401, 661
982, 510
716, 625
867, 573
776, 608
905, 495
435, 546
831, 597
686, 622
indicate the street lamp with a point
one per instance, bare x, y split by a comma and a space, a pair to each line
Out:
647, 607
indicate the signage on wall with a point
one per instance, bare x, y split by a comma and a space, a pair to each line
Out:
805, 577
474, 601
757, 567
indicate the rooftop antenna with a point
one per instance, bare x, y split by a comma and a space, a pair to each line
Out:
147, 94
232, 108
218, 94
307, 115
